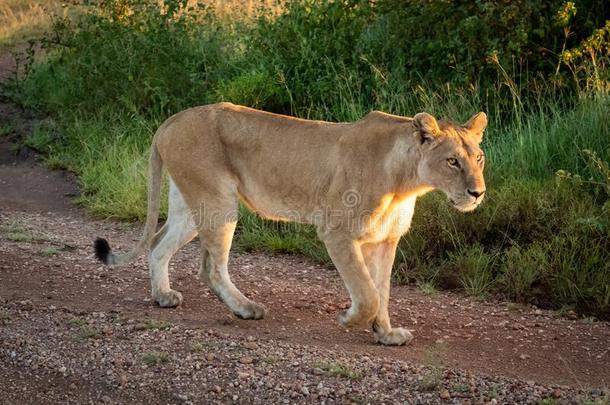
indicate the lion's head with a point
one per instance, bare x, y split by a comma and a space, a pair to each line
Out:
452, 160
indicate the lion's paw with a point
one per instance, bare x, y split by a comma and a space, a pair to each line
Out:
169, 299
251, 310
396, 337
350, 318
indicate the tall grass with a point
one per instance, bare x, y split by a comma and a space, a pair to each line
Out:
24, 19
112, 76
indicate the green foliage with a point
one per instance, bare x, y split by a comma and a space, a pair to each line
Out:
130, 54
337, 369
465, 42
155, 358
473, 265
435, 357
522, 268
307, 45
153, 324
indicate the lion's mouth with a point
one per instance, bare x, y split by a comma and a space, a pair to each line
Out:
465, 206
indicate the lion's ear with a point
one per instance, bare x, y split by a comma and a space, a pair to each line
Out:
426, 126
476, 126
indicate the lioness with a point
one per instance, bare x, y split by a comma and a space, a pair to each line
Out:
355, 182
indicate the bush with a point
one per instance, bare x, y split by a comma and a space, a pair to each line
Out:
466, 42
130, 55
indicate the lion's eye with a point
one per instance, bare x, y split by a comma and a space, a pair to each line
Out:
480, 157
453, 162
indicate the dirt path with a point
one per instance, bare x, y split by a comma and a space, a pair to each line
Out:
73, 331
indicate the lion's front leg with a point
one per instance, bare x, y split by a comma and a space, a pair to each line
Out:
347, 257
379, 258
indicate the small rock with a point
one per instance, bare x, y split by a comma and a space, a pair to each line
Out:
305, 390
246, 360
242, 375
250, 345
444, 394
106, 399
123, 379
524, 356
318, 371
62, 369
217, 389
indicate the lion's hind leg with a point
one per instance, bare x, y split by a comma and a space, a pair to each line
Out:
216, 234
178, 230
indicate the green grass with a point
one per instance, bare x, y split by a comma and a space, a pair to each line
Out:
86, 332
542, 235
17, 233
21, 20
198, 347
5, 317
81, 330
547, 401
154, 358
427, 287
50, 251
461, 388
76, 322
271, 360
337, 370
492, 392
153, 324
6, 129
435, 358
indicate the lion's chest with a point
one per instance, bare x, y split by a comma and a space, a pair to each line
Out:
389, 221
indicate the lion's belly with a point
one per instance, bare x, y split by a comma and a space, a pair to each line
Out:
277, 206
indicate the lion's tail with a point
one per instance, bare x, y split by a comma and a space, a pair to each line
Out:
102, 248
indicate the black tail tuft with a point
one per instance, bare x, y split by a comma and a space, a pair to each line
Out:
102, 249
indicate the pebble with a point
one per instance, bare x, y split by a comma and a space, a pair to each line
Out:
250, 345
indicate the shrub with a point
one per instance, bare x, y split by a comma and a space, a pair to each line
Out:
465, 42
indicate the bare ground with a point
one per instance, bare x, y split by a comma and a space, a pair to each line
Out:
74, 331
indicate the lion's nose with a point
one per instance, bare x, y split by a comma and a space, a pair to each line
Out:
476, 193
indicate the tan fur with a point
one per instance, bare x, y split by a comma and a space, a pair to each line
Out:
355, 182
